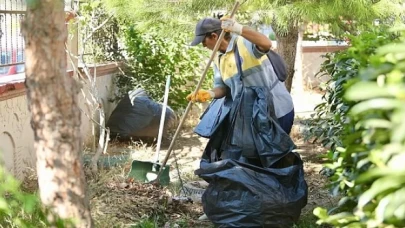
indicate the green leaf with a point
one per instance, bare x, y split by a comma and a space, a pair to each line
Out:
30, 203
343, 218
320, 213
374, 123
379, 172
391, 48
3, 205
381, 186
391, 208
366, 90
378, 103
398, 133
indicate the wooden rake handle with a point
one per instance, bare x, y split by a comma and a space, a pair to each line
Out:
204, 74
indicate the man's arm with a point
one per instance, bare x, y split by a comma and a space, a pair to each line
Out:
219, 85
262, 42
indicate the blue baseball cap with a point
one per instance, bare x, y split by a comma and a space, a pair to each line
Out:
203, 27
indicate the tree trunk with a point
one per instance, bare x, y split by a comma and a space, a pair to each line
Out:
53, 103
287, 47
298, 83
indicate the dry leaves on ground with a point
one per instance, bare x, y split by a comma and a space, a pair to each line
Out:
117, 202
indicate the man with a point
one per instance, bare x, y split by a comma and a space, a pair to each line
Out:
257, 69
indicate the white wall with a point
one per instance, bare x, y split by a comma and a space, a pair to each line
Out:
16, 135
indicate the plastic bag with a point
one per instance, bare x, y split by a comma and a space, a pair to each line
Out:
137, 116
213, 116
244, 195
255, 180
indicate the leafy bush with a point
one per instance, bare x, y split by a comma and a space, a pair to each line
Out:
20, 209
331, 115
98, 33
147, 57
151, 58
368, 166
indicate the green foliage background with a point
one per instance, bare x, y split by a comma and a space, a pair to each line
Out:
150, 58
23, 210
145, 49
361, 121
331, 115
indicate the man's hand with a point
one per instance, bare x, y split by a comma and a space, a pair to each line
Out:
230, 25
69, 15
201, 96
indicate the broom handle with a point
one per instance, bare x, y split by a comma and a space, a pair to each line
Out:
214, 51
162, 119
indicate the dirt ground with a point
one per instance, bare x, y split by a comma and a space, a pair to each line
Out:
116, 191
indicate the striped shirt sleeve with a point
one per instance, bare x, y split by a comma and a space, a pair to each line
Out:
218, 82
253, 50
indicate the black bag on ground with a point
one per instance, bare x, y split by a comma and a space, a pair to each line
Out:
255, 180
244, 195
137, 116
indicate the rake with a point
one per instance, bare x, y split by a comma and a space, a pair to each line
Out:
204, 74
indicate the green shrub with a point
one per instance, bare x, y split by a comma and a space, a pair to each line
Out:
102, 44
147, 57
368, 166
20, 209
150, 58
331, 115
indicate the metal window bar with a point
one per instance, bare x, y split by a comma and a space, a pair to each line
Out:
12, 55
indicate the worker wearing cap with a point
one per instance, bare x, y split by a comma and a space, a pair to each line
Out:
257, 69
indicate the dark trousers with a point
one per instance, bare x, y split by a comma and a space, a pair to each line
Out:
286, 122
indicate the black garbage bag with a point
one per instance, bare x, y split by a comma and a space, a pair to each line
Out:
255, 180
244, 195
137, 116
215, 113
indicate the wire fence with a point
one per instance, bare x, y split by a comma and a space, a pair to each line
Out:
12, 12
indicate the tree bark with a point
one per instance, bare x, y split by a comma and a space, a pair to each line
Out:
53, 102
287, 48
298, 83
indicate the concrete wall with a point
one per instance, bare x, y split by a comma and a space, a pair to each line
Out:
16, 135
312, 58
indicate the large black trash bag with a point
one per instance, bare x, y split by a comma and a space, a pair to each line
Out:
255, 180
215, 113
244, 195
137, 116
